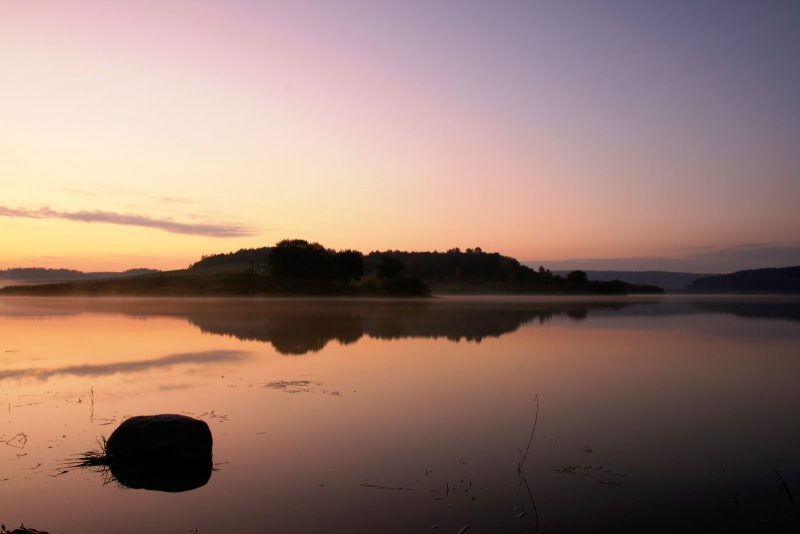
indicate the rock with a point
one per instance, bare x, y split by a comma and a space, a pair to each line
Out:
165, 452
159, 438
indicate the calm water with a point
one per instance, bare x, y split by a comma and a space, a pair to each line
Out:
400, 416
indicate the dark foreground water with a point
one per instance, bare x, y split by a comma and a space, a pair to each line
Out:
654, 415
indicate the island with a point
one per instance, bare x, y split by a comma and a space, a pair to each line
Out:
296, 267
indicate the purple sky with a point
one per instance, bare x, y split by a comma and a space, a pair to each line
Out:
149, 133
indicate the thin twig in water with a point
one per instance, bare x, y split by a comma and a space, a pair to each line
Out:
378, 486
521, 474
785, 487
730, 486
533, 503
530, 440
19, 441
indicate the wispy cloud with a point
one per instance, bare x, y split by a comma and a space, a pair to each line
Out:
130, 219
126, 192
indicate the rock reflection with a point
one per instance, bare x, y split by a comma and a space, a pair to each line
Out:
167, 452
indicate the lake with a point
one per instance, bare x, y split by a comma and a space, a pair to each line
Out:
638, 414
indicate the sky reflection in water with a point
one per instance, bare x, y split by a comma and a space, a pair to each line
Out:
395, 416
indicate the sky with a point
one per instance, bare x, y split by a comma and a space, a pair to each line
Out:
617, 133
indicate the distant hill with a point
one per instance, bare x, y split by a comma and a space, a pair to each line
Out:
41, 274
785, 280
672, 282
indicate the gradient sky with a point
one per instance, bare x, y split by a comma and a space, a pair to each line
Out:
148, 133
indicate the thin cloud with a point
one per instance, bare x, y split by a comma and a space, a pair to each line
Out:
127, 193
130, 219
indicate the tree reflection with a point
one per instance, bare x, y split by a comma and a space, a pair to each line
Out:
298, 326
295, 328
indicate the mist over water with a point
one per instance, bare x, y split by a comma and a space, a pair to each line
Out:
654, 414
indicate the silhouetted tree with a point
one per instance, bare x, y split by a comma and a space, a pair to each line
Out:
577, 279
389, 267
347, 265
297, 258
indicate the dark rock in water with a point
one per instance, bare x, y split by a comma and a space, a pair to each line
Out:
23, 530
159, 438
160, 452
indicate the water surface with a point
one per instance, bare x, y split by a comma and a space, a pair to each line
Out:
662, 414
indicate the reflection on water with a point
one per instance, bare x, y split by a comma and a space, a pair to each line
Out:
300, 327
97, 370
663, 414
173, 478
297, 326
775, 308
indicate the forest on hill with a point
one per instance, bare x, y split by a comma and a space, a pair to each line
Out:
783, 280
42, 273
298, 267
670, 281
451, 272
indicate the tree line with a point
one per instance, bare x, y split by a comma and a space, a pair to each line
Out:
453, 271
783, 280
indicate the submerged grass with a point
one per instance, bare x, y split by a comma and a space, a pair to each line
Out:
93, 458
